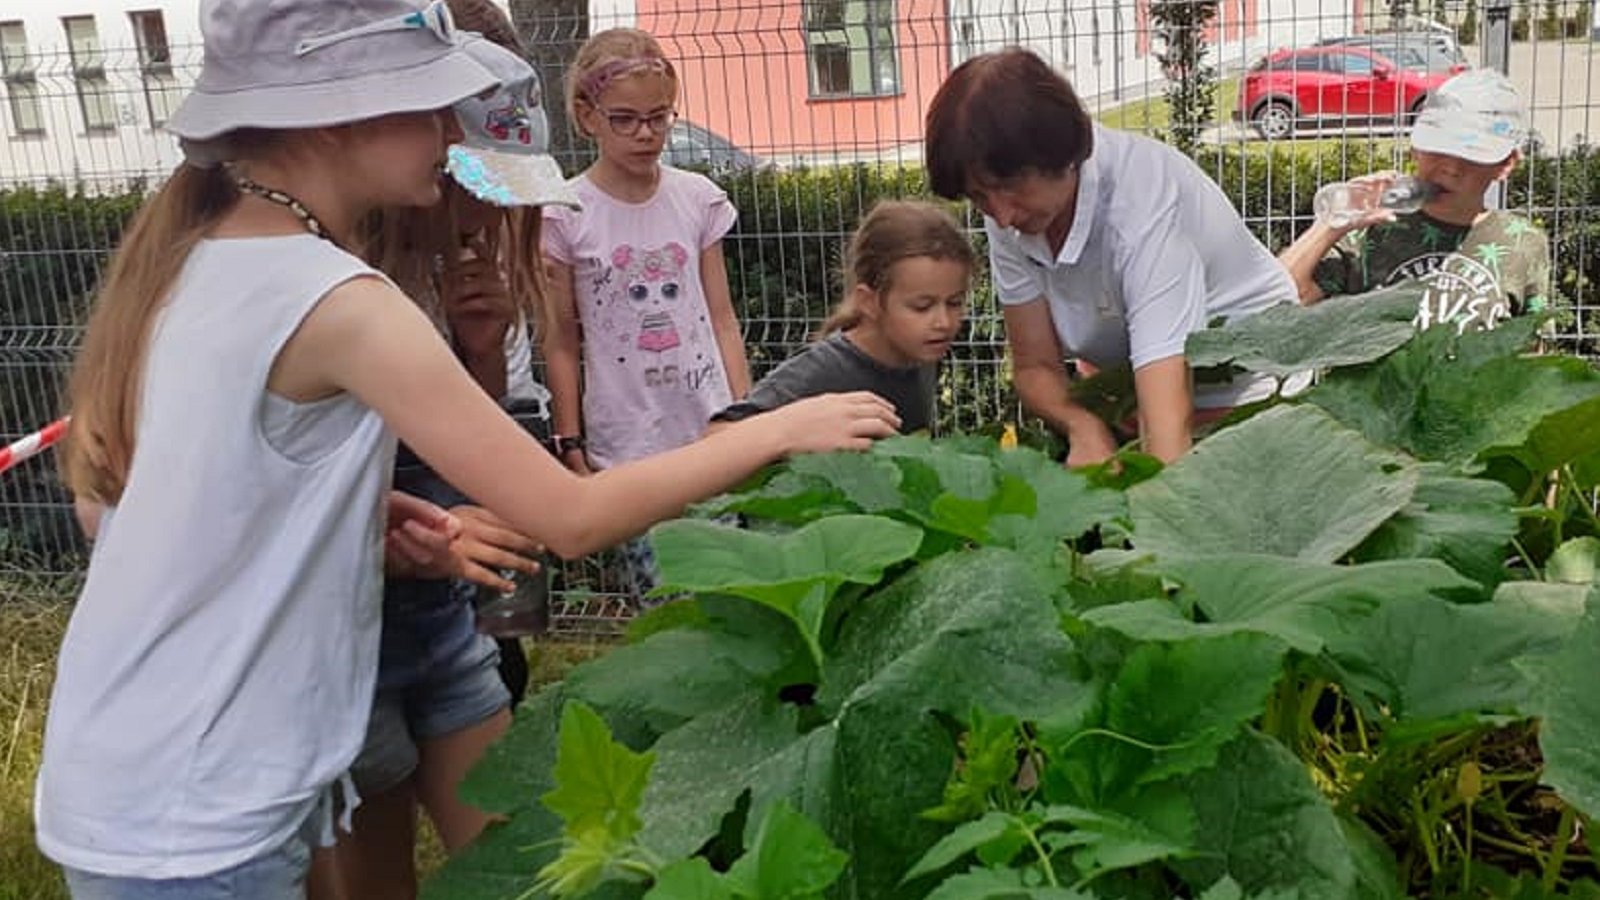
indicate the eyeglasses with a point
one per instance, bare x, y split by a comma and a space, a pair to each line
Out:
435, 17
627, 124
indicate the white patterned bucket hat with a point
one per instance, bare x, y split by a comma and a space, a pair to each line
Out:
504, 158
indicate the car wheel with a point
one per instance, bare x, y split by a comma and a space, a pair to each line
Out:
1273, 120
1416, 110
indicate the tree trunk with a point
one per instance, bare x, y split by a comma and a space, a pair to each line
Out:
552, 31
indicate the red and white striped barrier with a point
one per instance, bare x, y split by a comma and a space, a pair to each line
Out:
34, 444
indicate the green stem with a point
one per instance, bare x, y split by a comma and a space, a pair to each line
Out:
1424, 828
1527, 559
1511, 847
1044, 857
1126, 739
1558, 853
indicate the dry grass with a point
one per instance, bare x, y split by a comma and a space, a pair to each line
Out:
30, 633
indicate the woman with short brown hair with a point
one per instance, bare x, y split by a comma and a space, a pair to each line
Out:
1107, 247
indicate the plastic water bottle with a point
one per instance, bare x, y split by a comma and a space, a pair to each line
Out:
1341, 204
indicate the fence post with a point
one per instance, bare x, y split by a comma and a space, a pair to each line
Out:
1497, 56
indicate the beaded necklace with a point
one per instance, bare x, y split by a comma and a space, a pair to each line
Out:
279, 197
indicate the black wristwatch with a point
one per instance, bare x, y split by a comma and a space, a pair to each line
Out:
564, 442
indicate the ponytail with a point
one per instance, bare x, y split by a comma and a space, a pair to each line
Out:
106, 383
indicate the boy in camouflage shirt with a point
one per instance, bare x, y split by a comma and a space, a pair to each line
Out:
1478, 266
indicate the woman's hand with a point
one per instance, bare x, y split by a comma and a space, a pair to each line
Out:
1090, 443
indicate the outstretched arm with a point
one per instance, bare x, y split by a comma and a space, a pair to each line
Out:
367, 338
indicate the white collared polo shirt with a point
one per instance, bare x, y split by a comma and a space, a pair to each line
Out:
1155, 253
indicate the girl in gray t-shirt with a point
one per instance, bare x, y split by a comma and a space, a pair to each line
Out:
909, 268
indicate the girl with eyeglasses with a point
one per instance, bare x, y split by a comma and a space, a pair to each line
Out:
639, 296
235, 406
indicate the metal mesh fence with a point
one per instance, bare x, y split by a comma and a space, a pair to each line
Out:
808, 111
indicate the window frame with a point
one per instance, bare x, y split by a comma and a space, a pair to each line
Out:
856, 32
161, 90
89, 77
22, 86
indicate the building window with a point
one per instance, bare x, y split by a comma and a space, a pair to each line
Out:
22, 91
850, 48
161, 93
89, 74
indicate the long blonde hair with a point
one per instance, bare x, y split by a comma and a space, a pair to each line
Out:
891, 231
104, 390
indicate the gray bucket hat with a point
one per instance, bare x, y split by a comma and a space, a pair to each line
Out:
312, 63
504, 157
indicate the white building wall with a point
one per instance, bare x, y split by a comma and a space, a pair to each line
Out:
67, 151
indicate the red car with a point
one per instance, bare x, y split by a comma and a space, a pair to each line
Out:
1330, 85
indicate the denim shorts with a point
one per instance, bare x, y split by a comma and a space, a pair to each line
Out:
276, 875
436, 675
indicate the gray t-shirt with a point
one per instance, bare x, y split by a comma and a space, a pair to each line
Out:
834, 365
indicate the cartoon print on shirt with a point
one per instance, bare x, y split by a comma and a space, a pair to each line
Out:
650, 283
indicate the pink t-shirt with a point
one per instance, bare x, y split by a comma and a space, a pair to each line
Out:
651, 368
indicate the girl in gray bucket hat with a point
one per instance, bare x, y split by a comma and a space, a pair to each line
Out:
235, 406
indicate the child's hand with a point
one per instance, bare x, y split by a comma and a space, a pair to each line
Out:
478, 306
1375, 183
833, 422
487, 546
417, 536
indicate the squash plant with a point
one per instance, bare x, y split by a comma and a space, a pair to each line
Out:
1346, 648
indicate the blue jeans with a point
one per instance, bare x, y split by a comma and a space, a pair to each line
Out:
277, 875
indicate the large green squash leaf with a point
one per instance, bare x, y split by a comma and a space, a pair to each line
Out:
1569, 733
1466, 522
1449, 397
1267, 827
795, 573
868, 758
1168, 710
1289, 482
729, 650
1068, 504
790, 858
1422, 658
1289, 338
1303, 604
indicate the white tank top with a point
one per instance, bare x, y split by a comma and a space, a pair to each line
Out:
217, 674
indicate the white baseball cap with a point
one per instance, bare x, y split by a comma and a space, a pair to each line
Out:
504, 158
1477, 116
